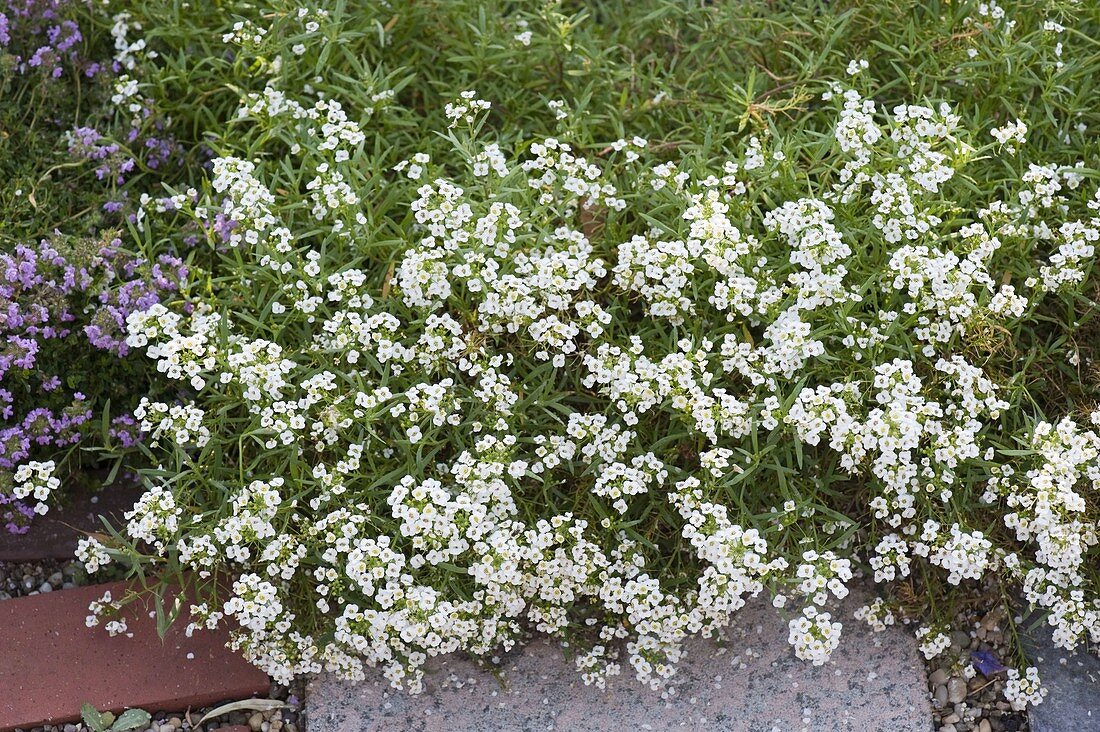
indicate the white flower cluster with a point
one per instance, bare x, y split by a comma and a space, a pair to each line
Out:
814, 635
658, 271
963, 554
183, 423
184, 349
155, 518
821, 574
1011, 136
92, 554
1047, 511
466, 108
431, 450
104, 606
36, 480
127, 98
1020, 691
876, 614
129, 53
932, 642
245, 33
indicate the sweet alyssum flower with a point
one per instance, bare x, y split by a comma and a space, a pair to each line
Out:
536, 410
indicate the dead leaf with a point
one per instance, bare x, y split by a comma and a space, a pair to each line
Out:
254, 705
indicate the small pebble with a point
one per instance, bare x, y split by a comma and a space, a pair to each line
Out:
956, 690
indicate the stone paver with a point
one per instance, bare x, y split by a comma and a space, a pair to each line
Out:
750, 683
1072, 681
51, 663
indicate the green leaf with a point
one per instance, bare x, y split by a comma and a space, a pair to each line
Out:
93, 718
131, 719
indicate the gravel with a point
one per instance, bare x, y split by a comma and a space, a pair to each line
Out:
32, 578
976, 704
287, 719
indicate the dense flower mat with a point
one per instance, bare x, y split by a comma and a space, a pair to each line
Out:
447, 323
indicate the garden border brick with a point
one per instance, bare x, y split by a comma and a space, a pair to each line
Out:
52, 662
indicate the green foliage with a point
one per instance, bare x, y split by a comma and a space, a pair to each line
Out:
704, 84
107, 722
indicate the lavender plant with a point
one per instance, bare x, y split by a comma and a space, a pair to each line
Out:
64, 303
67, 283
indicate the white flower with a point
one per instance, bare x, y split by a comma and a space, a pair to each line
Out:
1020, 691
1011, 136
36, 480
932, 643
814, 636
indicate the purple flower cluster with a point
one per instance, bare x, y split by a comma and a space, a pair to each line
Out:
52, 304
43, 427
138, 287
14, 514
85, 143
5, 31
125, 431
34, 288
41, 37
223, 226
115, 162
159, 150
64, 302
40, 427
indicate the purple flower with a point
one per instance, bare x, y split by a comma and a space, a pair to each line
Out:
40, 37
50, 303
125, 429
223, 227
986, 663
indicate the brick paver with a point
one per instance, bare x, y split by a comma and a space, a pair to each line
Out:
51, 663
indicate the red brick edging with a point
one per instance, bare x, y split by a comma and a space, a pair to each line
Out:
51, 662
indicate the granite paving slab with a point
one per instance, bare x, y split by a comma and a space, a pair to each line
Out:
1072, 681
51, 663
749, 681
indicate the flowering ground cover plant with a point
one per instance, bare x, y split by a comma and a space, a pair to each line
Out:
64, 309
67, 281
604, 345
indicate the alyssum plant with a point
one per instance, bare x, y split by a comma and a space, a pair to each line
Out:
431, 408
